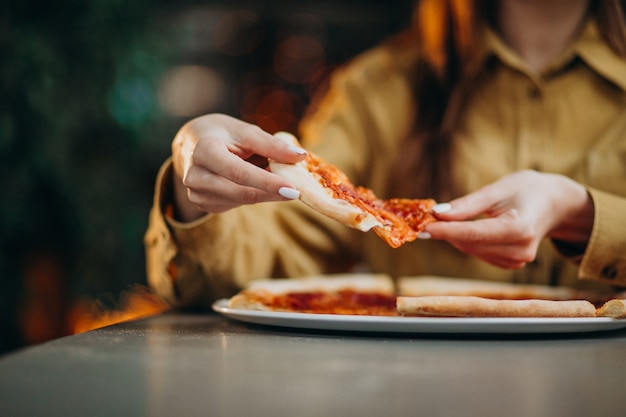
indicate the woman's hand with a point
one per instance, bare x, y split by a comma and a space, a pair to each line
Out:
219, 164
504, 222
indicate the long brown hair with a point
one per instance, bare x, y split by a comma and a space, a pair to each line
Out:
447, 32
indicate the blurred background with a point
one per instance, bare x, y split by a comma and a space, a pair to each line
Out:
91, 95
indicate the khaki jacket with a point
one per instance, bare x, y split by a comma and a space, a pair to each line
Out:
570, 119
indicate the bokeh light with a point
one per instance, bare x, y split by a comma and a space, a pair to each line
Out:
271, 108
238, 32
130, 101
303, 24
298, 58
190, 90
91, 103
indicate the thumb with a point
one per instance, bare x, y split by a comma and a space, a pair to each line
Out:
286, 148
470, 206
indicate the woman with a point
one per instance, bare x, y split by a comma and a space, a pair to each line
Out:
515, 111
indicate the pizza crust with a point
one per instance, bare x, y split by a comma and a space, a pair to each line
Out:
258, 294
244, 301
331, 283
469, 306
434, 285
613, 308
431, 285
319, 198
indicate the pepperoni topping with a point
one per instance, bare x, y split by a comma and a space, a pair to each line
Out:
340, 302
401, 219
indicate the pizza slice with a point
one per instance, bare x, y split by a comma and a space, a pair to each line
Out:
471, 306
615, 308
355, 294
327, 190
433, 285
464, 297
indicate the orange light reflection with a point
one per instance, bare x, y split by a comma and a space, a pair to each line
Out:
136, 303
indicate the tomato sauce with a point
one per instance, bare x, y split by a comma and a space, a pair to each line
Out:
402, 219
341, 302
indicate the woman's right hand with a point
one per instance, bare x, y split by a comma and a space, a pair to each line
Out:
219, 164
504, 222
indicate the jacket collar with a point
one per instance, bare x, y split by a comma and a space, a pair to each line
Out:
590, 47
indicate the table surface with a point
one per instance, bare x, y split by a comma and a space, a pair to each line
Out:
180, 364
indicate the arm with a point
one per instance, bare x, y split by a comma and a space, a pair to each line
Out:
193, 263
212, 242
201, 244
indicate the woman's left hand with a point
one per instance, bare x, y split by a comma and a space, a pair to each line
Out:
504, 222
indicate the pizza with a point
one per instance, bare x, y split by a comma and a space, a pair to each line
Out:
378, 295
334, 294
326, 189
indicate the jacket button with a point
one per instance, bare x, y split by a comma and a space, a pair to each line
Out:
609, 272
534, 92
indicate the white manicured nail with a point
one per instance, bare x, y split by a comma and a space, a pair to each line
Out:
442, 208
423, 235
290, 193
297, 149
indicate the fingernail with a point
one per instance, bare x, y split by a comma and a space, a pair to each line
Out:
297, 149
290, 193
423, 235
442, 208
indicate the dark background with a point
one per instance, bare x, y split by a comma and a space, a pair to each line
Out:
91, 95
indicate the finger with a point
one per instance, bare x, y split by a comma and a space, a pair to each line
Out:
211, 204
252, 138
504, 263
502, 255
485, 201
497, 245
508, 227
208, 188
238, 171
242, 138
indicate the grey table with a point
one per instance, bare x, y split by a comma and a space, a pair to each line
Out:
205, 365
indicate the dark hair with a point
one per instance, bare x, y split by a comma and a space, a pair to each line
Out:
446, 32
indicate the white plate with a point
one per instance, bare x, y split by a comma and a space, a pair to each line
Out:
465, 325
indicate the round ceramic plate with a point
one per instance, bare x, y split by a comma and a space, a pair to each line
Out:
459, 325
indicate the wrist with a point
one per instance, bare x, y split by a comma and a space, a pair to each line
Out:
184, 210
576, 204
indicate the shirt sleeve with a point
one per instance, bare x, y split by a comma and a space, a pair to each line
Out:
605, 257
157, 239
192, 264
